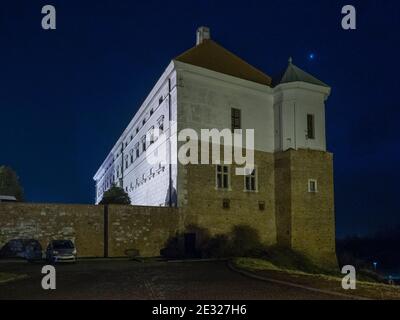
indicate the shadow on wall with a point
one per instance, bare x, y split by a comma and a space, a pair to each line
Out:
196, 242
171, 198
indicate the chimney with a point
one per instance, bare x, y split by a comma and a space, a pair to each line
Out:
203, 33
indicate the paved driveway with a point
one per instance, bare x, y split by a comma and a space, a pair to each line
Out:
156, 280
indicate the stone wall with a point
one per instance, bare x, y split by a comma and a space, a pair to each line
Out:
291, 216
146, 229
306, 220
204, 202
81, 223
283, 201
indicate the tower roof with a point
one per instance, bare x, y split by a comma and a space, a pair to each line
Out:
210, 55
294, 73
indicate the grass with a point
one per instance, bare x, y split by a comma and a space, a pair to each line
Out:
8, 277
284, 268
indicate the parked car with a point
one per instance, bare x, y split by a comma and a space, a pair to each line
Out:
7, 198
61, 251
29, 249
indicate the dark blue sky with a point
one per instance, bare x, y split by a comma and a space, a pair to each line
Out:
66, 95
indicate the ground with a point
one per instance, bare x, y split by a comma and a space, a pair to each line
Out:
121, 279
365, 288
8, 277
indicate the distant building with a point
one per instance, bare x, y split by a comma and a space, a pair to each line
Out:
209, 87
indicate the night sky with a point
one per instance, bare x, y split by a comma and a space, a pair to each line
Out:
67, 95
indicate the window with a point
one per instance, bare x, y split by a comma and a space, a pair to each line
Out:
226, 203
250, 181
131, 154
312, 186
144, 121
310, 126
151, 112
222, 177
261, 205
137, 150
151, 132
137, 130
236, 119
144, 143
160, 122
126, 161
160, 100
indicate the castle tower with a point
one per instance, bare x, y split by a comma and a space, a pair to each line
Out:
303, 167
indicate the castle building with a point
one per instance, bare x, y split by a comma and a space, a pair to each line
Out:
287, 198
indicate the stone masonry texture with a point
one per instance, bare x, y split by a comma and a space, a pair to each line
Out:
281, 212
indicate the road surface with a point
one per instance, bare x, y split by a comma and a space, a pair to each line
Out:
118, 279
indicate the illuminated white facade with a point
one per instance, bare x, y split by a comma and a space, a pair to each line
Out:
198, 90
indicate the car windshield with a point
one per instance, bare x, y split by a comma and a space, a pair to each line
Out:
63, 244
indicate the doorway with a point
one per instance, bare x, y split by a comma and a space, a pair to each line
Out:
190, 245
